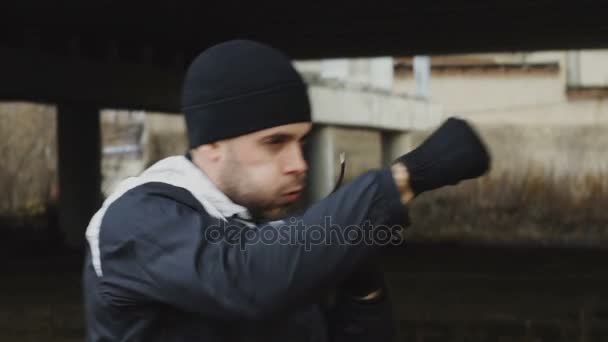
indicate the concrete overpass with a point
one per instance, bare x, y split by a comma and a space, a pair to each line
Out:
131, 54
112, 54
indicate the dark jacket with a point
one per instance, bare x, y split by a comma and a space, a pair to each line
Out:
171, 258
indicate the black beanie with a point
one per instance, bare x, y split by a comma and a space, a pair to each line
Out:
238, 87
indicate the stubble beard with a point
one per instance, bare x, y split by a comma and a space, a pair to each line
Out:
236, 185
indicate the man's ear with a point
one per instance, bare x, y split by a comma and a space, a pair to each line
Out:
209, 152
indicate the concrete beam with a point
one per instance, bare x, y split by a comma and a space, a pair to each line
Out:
367, 108
79, 166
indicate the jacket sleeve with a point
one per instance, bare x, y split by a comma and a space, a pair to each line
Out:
200, 264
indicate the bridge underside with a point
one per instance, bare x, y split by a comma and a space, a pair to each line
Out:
132, 54
307, 29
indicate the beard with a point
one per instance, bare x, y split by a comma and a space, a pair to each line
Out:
236, 184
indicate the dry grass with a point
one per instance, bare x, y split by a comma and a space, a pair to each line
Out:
530, 207
28, 157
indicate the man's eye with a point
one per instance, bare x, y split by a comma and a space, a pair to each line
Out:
275, 141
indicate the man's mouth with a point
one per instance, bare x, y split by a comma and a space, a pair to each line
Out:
293, 195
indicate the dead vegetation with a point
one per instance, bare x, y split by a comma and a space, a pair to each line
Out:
27, 157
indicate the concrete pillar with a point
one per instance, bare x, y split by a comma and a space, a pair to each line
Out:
573, 68
394, 145
79, 167
363, 149
320, 156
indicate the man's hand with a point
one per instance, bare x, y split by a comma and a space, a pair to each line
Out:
454, 152
366, 284
402, 180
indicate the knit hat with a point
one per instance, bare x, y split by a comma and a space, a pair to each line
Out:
238, 87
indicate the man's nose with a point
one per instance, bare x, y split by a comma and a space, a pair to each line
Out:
295, 162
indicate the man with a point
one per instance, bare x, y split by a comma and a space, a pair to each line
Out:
181, 252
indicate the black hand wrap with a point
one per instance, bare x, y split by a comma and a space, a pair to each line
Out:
454, 152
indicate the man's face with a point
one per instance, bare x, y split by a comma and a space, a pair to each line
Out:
265, 171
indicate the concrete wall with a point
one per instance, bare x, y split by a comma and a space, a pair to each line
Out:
494, 97
593, 67
526, 98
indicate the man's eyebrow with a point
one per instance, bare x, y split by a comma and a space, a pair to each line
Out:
283, 135
279, 135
